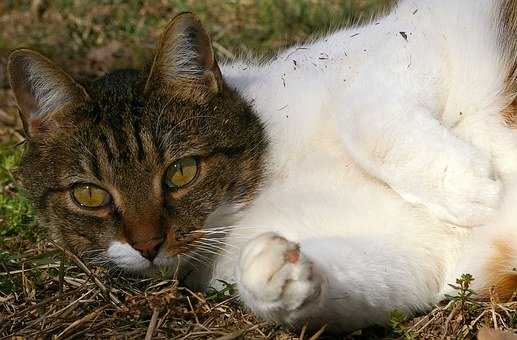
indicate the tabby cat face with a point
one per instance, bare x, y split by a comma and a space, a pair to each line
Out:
134, 164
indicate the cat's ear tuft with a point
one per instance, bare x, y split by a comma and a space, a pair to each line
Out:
184, 61
41, 89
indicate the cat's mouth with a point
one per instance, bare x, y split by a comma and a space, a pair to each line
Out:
127, 258
124, 256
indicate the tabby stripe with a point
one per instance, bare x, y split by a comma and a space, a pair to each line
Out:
106, 146
228, 151
158, 147
136, 134
94, 167
508, 39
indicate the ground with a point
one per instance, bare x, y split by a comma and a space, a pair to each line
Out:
47, 291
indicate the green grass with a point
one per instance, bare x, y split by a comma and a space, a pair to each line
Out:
16, 215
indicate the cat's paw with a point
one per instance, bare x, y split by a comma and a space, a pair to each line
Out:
472, 194
276, 281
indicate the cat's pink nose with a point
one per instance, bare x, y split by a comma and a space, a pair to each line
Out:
149, 249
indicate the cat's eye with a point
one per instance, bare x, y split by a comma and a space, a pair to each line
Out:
181, 172
90, 196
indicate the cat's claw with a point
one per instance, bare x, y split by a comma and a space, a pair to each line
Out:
276, 280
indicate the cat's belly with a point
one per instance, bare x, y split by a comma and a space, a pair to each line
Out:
322, 193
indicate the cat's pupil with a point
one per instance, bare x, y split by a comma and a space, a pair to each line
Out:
182, 172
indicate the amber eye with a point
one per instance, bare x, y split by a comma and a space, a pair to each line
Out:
181, 172
90, 196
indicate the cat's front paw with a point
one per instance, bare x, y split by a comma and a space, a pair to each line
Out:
472, 194
276, 281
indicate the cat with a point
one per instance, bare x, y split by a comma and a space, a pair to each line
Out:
343, 179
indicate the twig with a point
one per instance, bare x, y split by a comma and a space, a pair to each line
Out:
239, 334
318, 333
431, 317
107, 294
449, 319
223, 302
61, 274
193, 311
71, 305
202, 300
493, 300
302, 333
475, 321
152, 324
79, 322
20, 271
40, 304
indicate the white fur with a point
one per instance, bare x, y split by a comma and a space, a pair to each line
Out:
382, 148
382, 151
126, 257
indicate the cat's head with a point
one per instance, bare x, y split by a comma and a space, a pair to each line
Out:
131, 166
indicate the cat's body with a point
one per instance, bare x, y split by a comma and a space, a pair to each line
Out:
377, 251
379, 150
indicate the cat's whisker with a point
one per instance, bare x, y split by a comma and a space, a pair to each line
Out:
224, 230
192, 257
208, 250
230, 227
202, 254
218, 241
183, 259
214, 246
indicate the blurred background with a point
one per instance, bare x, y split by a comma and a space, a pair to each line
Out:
90, 37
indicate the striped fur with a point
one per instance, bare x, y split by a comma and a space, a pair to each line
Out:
508, 36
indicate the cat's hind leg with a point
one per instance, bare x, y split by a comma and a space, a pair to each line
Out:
406, 147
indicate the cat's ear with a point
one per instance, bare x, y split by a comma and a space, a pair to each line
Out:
41, 90
184, 62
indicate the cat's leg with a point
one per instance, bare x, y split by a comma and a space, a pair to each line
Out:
277, 281
346, 283
410, 150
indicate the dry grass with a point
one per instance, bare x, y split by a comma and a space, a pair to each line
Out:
58, 295
65, 298
48, 292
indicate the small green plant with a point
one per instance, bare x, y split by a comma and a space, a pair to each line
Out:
397, 325
167, 272
463, 292
218, 295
